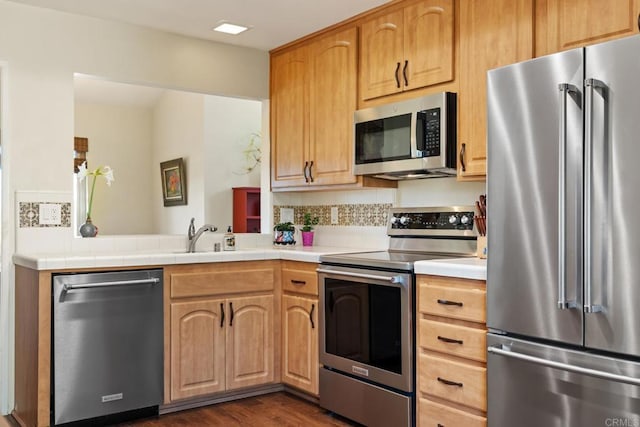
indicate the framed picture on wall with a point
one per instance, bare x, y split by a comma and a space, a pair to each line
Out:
174, 182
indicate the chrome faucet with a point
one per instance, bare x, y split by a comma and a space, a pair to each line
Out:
195, 235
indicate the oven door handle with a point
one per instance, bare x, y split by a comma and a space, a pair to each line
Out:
390, 279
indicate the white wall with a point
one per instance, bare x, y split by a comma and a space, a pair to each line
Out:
229, 123
119, 136
178, 131
40, 50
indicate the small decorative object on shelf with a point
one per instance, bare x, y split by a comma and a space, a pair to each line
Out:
88, 229
307, 229
283, 233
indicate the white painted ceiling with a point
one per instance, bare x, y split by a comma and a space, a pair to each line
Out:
273, 22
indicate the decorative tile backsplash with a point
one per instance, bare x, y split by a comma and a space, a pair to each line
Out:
29, 213
362, 215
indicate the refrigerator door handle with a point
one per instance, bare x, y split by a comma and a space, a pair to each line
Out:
590, 86
565, 90
505, 350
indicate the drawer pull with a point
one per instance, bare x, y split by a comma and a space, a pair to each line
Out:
450, 340
222, 315
313, 307
298, 282
231, 320
440, 425
447, 382
446, 302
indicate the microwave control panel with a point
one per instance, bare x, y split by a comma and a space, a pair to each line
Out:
430, 125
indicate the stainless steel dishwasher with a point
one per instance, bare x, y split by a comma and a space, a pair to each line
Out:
107, 344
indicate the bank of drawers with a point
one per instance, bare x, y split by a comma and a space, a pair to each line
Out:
452, 373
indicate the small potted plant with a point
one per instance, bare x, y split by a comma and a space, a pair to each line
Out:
283, 233
307, 229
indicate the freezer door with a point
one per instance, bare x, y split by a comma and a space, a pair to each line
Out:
533, 385
612, 176
534, 183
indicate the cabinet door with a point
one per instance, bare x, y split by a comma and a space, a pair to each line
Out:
567, 24
487, 40
428, 43
332, 103
300, 340
197, 348
289, 117
250, 342
381, 55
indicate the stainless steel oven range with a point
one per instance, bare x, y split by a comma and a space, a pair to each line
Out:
367, 315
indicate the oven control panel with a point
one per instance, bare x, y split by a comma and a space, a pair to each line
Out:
424, 220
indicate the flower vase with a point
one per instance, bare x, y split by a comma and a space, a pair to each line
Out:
307, 238
88, 229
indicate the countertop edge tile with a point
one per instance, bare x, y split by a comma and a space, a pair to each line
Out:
463, 268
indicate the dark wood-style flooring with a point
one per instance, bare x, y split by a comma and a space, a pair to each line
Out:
276, 409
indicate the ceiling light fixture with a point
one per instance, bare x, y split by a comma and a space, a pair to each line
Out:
229, 28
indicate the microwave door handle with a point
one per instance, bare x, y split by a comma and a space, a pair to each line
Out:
414, 142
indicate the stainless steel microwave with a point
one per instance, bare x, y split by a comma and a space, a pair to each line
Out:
415, 138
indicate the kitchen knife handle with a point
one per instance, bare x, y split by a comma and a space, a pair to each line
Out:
463, 148
590, 86
398, 76
447, 382
447, 302
304, 171
565, 89
222, 314
404, 72
313, 307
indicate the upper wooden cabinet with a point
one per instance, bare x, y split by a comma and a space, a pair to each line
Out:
313, 97
488, 39
568, 24
407, 48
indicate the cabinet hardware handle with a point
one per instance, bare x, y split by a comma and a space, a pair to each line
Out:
298, 282
222, 316
304, 171
450, 340
447, 302
462, 150
231, 320
404, 72
310, 173
639, 22
440, 425
397, 75
447, 382
313, 307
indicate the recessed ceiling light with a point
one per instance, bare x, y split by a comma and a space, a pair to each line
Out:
229, 28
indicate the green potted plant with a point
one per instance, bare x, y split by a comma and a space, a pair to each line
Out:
283, 233
307, 228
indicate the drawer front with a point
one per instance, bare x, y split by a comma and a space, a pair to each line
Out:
432, 414
453, 381
462, 341
457, 303
302, 280
221, 282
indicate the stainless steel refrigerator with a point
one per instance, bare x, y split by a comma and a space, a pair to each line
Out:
563, 271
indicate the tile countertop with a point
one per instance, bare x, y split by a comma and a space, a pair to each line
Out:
151, 258
464, 268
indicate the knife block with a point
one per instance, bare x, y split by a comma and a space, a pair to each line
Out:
482, 247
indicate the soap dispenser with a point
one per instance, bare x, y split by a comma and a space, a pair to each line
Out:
229, 240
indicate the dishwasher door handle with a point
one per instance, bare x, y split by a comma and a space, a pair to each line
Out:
69, 287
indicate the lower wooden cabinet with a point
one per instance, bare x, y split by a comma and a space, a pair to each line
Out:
300, 365
300, 342
451, 355
222, 327
221, 344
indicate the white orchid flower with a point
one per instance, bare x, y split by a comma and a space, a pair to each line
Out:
104, 171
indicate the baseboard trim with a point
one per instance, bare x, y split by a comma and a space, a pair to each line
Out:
220, 398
